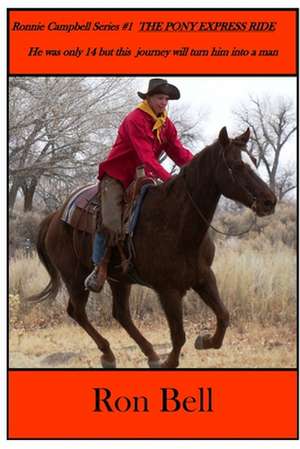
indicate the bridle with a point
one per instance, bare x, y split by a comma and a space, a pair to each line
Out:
196, 207
235, 180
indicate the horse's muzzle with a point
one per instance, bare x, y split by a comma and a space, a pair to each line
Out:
264, 208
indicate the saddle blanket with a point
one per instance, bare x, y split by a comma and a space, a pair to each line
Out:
80, 211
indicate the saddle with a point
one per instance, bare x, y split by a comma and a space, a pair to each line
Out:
83, 209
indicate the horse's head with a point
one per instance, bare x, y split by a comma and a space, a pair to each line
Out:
237, 178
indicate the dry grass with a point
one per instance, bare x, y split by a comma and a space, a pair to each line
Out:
26, 274
68, 346
257, 282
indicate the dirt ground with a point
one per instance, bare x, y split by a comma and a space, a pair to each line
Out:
68, 346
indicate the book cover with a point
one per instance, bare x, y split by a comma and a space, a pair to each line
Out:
73, 74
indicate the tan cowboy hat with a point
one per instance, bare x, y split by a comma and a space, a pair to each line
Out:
161, 86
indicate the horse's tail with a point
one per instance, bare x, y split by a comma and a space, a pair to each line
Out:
51, 290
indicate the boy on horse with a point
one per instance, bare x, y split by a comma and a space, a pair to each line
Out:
143, 135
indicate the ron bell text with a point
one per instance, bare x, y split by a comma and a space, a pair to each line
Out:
171, 400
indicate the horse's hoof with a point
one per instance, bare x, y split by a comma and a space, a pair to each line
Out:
107, 364
154, 364
201, 341
167, 365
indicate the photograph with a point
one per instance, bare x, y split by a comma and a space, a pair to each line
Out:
147, 215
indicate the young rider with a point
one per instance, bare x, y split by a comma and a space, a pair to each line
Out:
143, 135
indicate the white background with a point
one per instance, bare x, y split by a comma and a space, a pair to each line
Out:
219, 121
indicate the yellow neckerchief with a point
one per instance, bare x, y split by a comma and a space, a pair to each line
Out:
159, 121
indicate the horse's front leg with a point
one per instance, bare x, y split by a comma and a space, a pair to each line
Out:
208, 291
171, 301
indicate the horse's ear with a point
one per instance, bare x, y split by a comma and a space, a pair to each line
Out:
244, 137
223, 137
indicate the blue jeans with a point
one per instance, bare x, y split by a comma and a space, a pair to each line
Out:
99, 247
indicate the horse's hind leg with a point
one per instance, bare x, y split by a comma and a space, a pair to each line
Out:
121, 312
208, 291
171, 301
76, 309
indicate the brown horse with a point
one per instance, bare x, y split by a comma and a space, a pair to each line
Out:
173, 250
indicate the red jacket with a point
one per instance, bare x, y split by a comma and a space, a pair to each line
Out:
136, 144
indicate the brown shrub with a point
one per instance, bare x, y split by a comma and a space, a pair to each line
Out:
279, 227
23, 230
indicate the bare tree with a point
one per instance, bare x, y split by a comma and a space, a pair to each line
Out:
286, 181
59, 127
189, 124
272, 124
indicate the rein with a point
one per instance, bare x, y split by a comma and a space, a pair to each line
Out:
230, 171
196, 207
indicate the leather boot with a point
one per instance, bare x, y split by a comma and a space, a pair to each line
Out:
95, 281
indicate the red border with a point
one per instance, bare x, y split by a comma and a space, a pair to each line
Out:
282, 40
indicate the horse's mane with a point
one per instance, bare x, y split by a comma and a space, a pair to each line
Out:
194, 169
